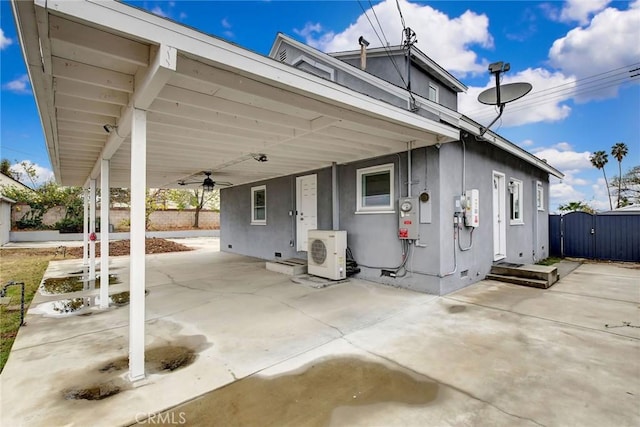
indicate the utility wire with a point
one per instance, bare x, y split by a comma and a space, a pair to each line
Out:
379, 25
581, 83
401, 17
525, 104
386, 48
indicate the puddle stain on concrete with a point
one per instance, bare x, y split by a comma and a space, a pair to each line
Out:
307, 397
456, 309
63, 285
107, 380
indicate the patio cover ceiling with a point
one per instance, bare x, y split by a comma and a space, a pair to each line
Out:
210, 104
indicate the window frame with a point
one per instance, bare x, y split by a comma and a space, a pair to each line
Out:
254, 220
360, 174
436, 89
539, 196
517, 185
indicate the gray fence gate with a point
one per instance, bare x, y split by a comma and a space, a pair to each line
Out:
582, 235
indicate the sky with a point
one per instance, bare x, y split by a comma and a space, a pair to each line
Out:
581, 56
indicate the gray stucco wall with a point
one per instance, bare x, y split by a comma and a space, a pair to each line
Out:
373, 239
383, 68
482, 159
5, 221
237, 235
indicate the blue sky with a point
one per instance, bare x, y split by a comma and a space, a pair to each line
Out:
577, 54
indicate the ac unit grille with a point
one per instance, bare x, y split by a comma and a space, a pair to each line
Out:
318, 252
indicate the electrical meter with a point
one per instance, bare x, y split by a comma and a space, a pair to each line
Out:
408, 219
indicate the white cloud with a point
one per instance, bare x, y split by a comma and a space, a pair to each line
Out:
42, 174
444, 39
159, 11
561, 193
536, 106
564, 160
563, 146
225, 23
526, 143
4, 41
20, 85
608, 43
600, 197
581, 10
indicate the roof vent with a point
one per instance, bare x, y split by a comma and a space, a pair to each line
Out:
283, 55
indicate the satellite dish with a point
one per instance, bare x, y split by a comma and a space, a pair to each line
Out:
508, 93
501, 95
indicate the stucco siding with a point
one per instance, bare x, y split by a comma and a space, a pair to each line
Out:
5, 221
237, 235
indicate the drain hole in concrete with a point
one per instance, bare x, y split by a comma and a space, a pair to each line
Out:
92, 392
159, 359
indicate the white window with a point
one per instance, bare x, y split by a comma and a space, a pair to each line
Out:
375, 189
434, 92
515, 198
539, 196
259, 205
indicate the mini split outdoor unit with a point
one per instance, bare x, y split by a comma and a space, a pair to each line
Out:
327, 254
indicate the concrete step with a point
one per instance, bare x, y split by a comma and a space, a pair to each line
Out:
533, 283
547, 273
290, 267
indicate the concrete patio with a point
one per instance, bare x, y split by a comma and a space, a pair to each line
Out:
497, 354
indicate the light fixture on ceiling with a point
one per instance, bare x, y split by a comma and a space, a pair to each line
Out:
260, 157
207, 184
108, 128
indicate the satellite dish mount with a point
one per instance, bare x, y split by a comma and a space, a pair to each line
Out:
502, 95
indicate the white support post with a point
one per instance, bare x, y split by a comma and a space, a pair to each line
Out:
137, 258
85, 228
92, 229
104, 234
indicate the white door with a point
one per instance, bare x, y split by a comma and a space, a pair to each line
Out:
307, 209
499, 217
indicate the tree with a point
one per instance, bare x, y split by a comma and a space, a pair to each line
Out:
5, 168
628, 186
598, 160
196, 198
619, 150
576, 207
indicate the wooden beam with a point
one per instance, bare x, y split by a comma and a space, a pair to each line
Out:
90, 92
99, 41
73, 103
96, 76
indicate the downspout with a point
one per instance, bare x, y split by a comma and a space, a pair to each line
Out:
335, 199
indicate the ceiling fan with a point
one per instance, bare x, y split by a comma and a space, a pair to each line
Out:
208, 184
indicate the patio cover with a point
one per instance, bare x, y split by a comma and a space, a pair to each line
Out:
177, 102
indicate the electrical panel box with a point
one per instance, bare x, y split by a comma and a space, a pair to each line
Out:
408, 220
472, 208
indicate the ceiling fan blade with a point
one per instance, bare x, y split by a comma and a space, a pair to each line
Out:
223, 183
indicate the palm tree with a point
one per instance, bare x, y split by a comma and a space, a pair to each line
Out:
598, 160
619, 150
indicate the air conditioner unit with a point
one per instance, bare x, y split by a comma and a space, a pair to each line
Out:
327, 254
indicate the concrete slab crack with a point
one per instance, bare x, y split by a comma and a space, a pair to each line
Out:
459, 390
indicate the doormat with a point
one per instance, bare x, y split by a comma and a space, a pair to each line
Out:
315, 281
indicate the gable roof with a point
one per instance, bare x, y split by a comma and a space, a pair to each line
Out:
447, 115
419, 57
